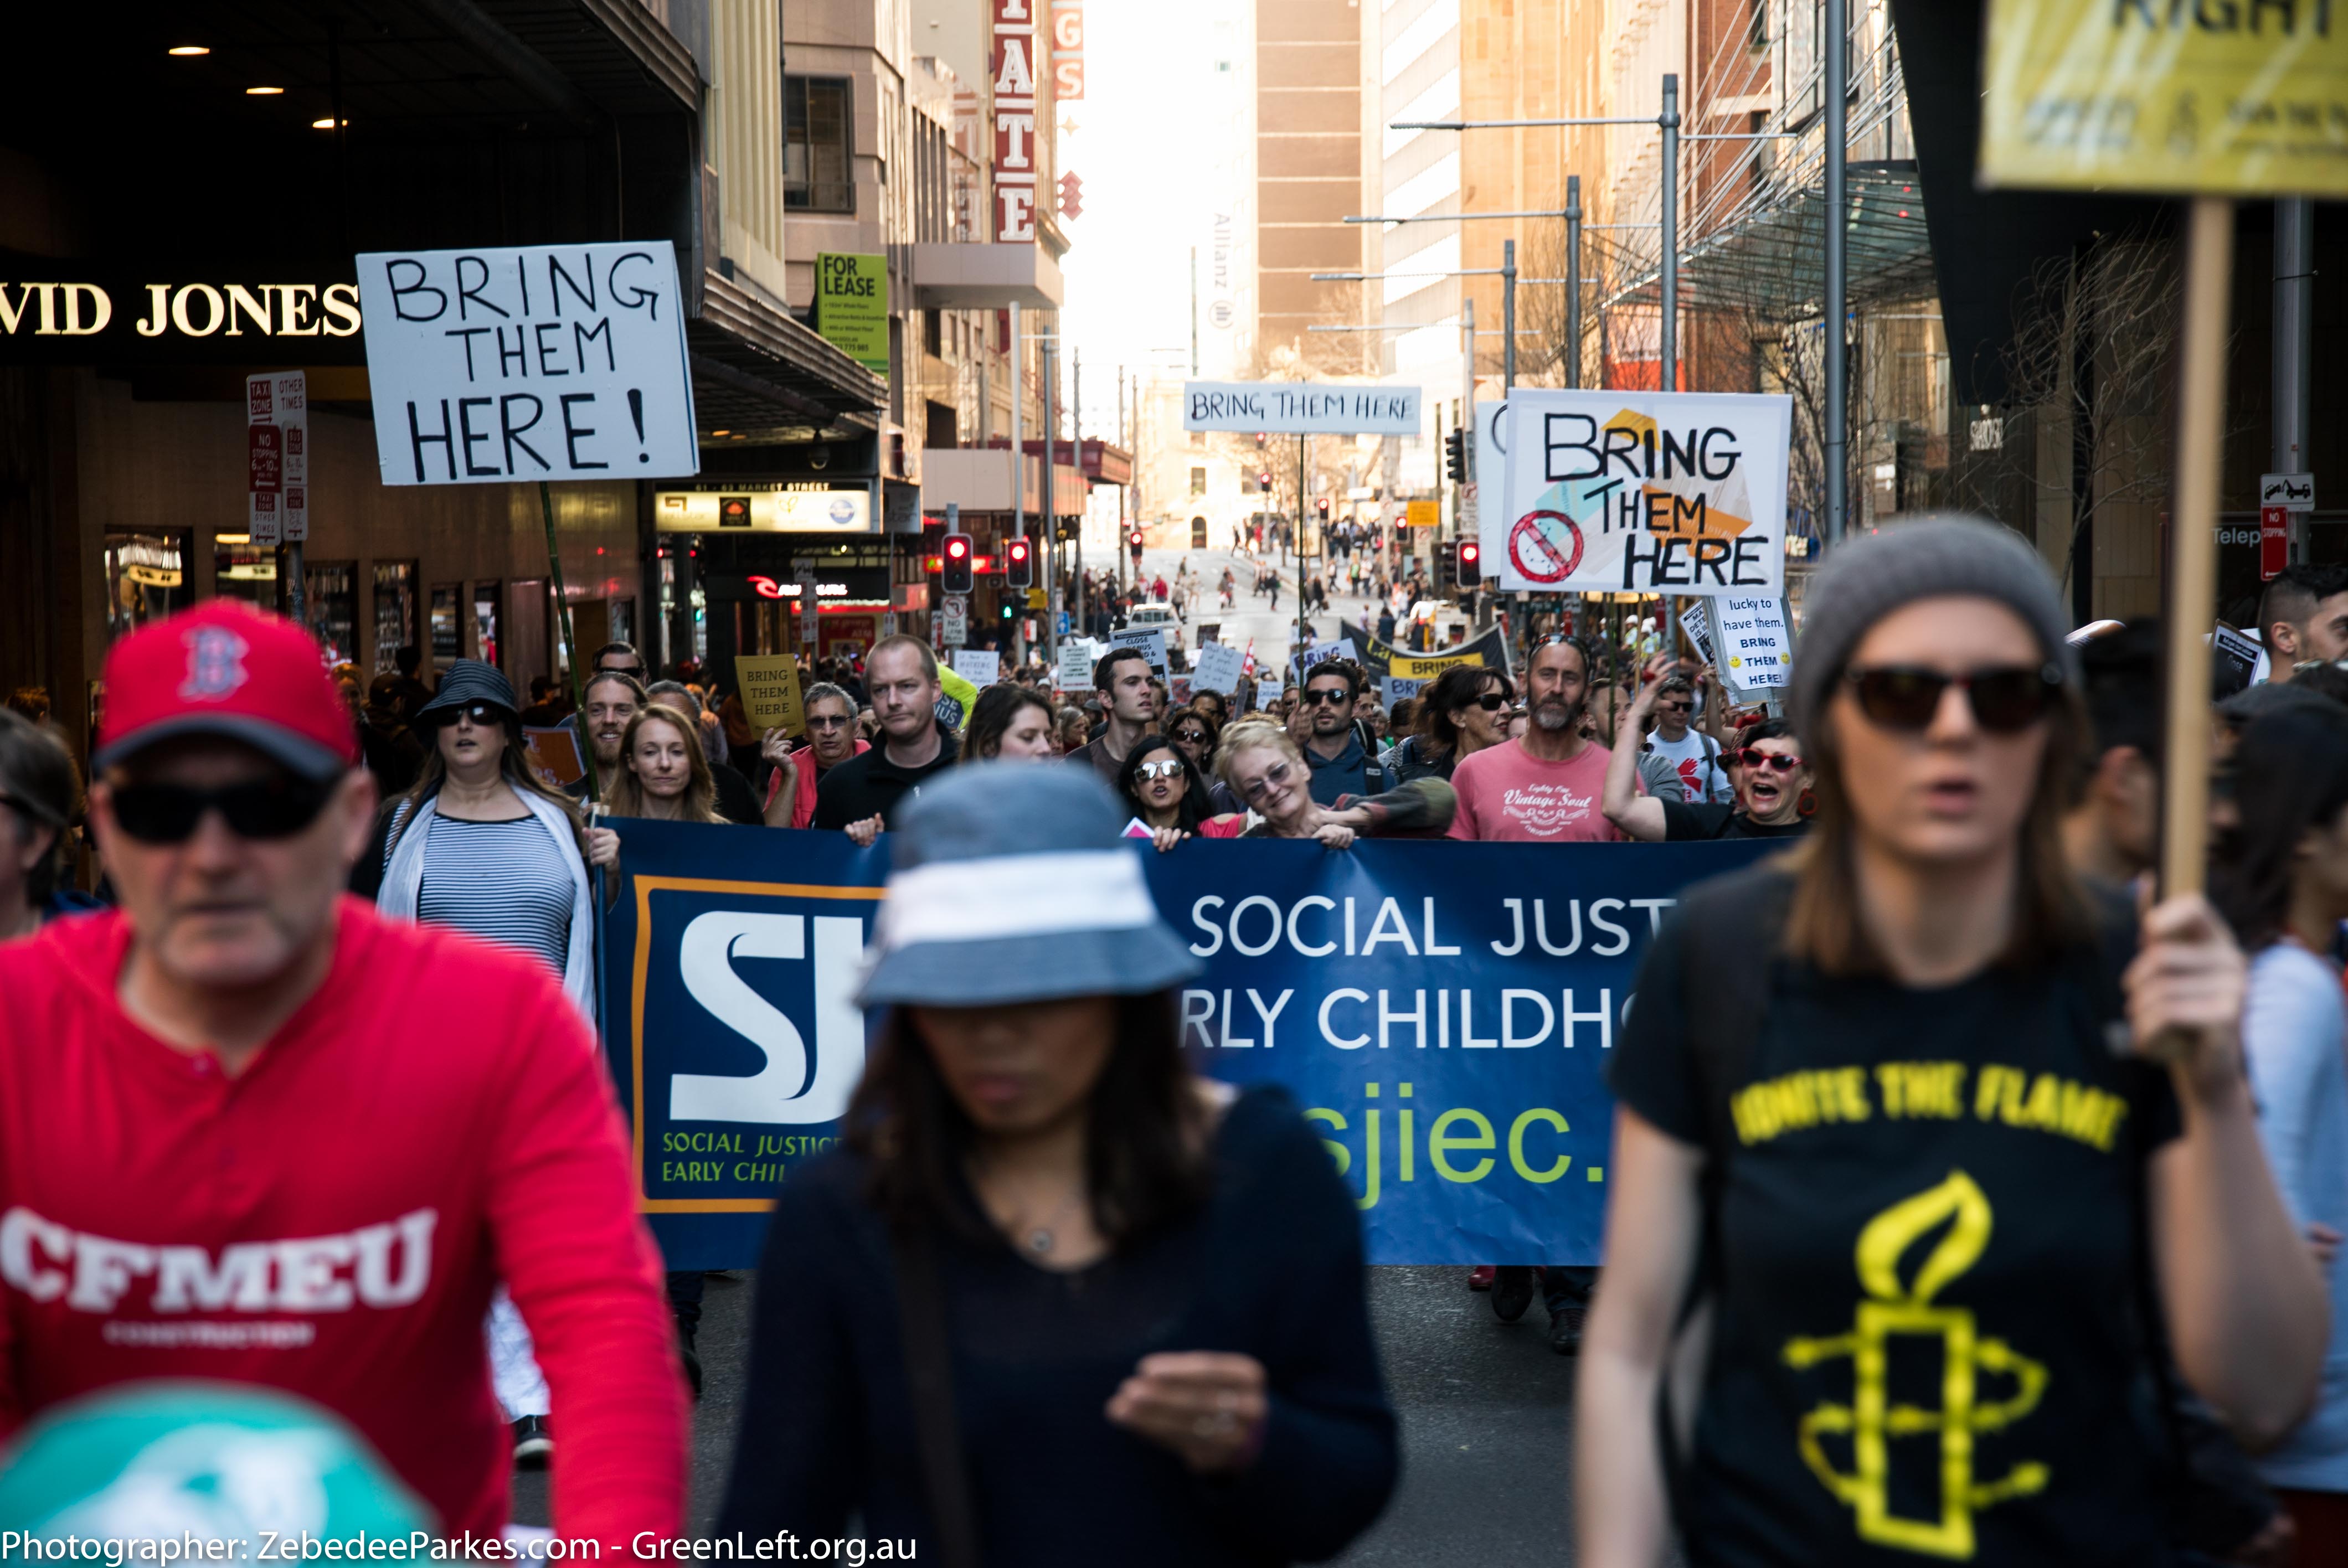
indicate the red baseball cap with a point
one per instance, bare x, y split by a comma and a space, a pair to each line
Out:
227, 669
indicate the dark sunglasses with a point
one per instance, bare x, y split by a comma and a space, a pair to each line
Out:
1327, 696
1675, 707
1491, 702
1192, 737
1752, 757
828, 722
487, 715
276, 807
2003, 700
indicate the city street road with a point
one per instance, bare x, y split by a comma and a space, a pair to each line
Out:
1485, 1406
1252, 616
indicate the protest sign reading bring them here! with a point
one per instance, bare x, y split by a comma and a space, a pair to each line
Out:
1643, 492
553, 362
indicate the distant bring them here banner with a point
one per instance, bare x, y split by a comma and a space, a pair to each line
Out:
1299, 408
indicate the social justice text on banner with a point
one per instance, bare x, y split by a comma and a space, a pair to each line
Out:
1443, 1013
547, 361
1642, 492
1299, 408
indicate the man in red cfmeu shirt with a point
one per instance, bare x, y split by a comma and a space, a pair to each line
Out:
251, 1132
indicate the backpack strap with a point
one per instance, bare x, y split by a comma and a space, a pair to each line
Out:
1725, 921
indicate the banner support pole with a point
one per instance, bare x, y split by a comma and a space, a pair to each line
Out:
2193, 547
570, 645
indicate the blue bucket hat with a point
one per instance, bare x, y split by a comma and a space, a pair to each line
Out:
1011, 884
471, 681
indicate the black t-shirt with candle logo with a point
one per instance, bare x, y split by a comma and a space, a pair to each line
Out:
1925, 1347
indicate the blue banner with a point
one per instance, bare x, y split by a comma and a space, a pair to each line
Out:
1442, 1011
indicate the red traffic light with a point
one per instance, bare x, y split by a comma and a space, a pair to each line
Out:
1470, 553
957, 546
1264, 479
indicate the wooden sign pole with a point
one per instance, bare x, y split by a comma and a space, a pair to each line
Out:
2193, 545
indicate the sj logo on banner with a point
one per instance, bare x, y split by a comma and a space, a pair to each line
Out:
1441, 1013
729, 1023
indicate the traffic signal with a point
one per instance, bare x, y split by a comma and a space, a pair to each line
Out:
954, 565
1447, 566
1455, 456
1321, 506
1263, 481
1471, 564
1134, 544
1018, 564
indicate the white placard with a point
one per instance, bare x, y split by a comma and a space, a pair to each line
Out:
2292, 492
1491, 469
1753, 642
976, 665
1217, 669
1075, 671
277, 449
1152, 643
1696, 621
1643, 492
1395, 687
2235, 663
1299, 408
541, 362
953, 622
1321, 652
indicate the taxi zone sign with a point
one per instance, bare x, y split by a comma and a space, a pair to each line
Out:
1630, 492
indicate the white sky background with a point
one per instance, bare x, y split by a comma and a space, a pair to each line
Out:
1148, 174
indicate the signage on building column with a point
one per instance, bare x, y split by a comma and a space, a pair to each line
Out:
2274, 541
1068, 51
1015, 120
542, 362
277, 457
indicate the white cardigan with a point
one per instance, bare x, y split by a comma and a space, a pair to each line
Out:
402, 887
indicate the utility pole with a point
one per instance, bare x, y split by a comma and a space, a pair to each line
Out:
1194, 310
1051, 504
2294, 302
1667, 376
1836, 440
1076, 442
1508, 330
1573, 279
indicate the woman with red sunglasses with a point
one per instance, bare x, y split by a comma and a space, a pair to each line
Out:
1921, 1155
1772, 779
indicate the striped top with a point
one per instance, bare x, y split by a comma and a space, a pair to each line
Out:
504, 882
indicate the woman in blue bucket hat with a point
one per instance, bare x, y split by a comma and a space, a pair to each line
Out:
1056, 1300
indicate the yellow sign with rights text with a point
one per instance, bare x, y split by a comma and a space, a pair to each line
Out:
1422, 514
2216, 97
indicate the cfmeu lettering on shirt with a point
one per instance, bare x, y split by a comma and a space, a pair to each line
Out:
1928, 1090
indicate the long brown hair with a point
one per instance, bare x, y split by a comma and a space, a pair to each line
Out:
514, 767
624, 795
1825, 927
1146, 1158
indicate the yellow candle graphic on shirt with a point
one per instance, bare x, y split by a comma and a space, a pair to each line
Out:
1872, 1422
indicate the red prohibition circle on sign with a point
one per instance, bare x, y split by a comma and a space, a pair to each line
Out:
1525, 529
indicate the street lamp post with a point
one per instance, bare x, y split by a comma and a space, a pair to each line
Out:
1836, 26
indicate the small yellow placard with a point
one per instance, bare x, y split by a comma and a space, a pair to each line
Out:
771, 690
2217, 97
1422, 514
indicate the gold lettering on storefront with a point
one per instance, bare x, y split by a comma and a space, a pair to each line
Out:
185, 310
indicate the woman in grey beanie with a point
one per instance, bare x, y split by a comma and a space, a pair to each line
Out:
1869, 1099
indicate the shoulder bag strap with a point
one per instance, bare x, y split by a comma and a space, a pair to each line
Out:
929, 1379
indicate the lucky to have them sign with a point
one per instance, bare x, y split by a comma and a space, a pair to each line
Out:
1616, 492
555, 361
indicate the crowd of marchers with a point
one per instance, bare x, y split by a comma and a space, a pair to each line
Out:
1942, 1070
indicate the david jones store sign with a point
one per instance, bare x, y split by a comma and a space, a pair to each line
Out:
131, 319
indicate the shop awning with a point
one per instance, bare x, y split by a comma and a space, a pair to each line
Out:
760, 374
1768, 258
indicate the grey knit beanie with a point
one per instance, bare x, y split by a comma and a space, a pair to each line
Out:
1868, 576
